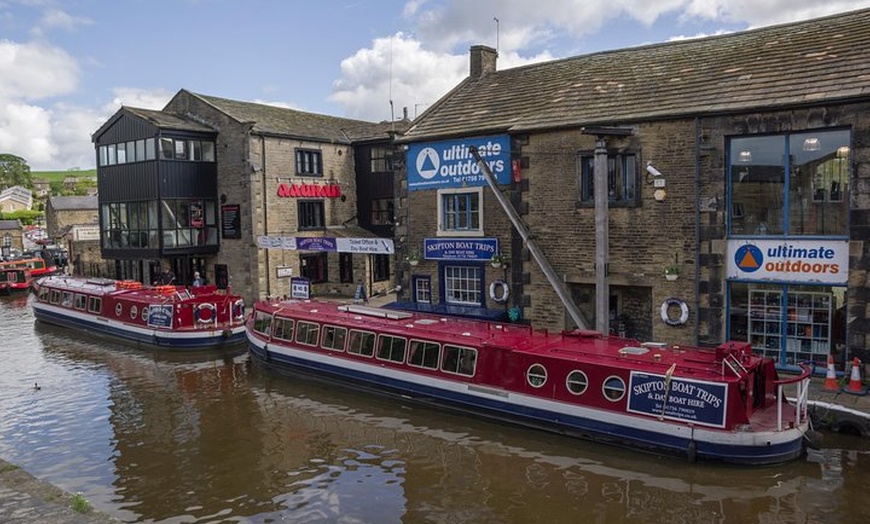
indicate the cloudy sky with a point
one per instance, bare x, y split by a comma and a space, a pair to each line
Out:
67, 65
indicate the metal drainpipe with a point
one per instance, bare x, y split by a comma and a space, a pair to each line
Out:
697, 321
265, 210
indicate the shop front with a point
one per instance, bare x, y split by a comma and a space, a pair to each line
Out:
787, 258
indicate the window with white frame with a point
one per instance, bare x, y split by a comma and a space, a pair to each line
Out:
460, 211
423, 289
462, 285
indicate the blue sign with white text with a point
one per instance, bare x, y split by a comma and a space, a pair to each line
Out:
315, 243
688, 400
476, 249
160, 315
449, 164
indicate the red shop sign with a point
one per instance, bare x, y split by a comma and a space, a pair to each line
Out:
309, 190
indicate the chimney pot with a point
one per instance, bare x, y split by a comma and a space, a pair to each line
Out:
483, 60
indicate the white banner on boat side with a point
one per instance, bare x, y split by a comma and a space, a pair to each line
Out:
373, 246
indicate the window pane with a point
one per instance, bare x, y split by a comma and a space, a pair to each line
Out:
757, 185
167, 151
208, 151
818, 182
149, 149
462, 285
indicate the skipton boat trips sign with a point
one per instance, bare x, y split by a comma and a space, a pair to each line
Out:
693, 401
817, 261
450, 164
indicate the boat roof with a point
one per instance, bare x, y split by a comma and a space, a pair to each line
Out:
575, 345
122, 289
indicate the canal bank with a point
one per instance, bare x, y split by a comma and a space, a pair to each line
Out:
26, 499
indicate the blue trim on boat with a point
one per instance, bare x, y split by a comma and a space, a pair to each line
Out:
155, 339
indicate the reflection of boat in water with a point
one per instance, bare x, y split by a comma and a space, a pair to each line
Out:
725, 404
173, 317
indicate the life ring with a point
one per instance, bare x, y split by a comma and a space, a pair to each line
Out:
204, 319
684, 311
493, 290
239, 309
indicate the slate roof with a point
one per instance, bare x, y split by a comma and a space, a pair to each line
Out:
273, 120
7, 225
168, 120
818, 61
74, 203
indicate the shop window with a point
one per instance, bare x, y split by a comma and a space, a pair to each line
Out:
314, 267
459, 211
311, 214
793, 184
345, 267
462, 285
622, 176
309, 162
380, 267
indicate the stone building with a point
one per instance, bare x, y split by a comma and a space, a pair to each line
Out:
739, 161
248, 194
62, 212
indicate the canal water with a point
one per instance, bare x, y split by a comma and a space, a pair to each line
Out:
169, 438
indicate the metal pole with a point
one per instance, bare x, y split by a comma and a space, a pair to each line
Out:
602, 238
521, 228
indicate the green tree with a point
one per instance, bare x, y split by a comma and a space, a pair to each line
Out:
14, 171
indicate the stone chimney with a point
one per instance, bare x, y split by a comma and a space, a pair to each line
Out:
483, 60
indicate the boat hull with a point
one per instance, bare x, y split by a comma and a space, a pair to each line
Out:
198, 339
637, 432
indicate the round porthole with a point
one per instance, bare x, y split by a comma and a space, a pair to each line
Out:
133, 312
118, 309
144, 313
536, 375
613, 388
576, 382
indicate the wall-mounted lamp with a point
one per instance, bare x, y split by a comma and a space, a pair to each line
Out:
651, 170
745, 156
812, 144
843, 152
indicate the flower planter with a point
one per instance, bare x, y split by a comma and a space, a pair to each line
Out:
671, 276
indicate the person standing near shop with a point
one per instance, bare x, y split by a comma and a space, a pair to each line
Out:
166, 278
198, 281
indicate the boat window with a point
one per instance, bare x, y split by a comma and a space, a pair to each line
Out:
67, 299
283, 329
134, 311
613, 388
43, 294
81, 301
361, 343
307, 333
424, 354
144, 314
262, 323
333, 338
118, 309
536, 375
95, 304
459, 360
391, 348
577, 382
55, 296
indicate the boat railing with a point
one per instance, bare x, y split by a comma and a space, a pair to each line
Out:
801, 398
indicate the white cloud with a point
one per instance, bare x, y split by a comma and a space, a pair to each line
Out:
34, 71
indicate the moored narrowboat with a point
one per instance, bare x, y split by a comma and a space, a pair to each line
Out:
718, 404
15, 279
172, 317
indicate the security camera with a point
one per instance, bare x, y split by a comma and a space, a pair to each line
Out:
651, 170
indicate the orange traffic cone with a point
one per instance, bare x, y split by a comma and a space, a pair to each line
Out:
855, 387
831, 383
